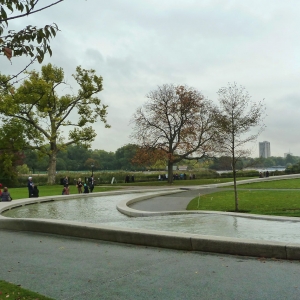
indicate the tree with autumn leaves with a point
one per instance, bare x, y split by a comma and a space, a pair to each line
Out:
30, 41
47, 116
176, 123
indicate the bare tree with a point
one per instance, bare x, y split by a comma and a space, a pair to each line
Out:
236, 117
177, 122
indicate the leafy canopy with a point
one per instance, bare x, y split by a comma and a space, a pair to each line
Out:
30, 41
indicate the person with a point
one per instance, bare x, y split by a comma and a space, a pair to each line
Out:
267, 174
85, 189
132, 178
91, 183
30, 187
6, 195
66, 190
66, 181
79, 185
35, 192
0, 191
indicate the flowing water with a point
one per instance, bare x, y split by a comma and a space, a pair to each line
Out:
102, 210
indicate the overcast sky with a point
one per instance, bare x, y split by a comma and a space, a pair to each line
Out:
137, 45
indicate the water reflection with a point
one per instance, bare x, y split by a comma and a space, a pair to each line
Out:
102, 210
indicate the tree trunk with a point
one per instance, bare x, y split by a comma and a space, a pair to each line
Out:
235, 191
52, 167
170, 172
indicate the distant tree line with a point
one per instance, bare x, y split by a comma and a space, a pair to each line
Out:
224, 162
78, 158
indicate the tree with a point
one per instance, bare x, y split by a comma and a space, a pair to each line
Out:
35, 160
12, 141
45, 114
236, 117
124, 156
106, 160
176, 121
31, 40
23, 169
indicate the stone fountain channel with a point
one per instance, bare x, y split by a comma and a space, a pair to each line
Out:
102, 210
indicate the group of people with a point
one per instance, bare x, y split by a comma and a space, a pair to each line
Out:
33, 191
127, 178
176, 176
264, 174
87, 188
81, 187
4, 195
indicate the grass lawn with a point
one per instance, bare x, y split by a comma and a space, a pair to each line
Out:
12, 291
279, 203
52, 190
275, 184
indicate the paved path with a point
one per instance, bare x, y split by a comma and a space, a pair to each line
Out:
71, 268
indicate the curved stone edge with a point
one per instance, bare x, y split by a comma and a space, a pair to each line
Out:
123, 207
27, 201
162, 239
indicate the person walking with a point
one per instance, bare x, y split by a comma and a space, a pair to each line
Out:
79, 185
6, 195
91, 183
30, 186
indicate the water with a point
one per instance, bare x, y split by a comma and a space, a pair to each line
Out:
102, 210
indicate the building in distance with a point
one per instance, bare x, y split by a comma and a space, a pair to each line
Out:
264, 149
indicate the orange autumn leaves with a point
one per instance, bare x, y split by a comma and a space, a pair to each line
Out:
7, 52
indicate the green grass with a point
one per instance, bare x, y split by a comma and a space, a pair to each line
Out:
52, 190
275, 184
12, 291
280, 203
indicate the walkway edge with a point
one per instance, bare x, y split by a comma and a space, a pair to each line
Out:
163, 239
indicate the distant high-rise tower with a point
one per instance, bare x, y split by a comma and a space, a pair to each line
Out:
264, 149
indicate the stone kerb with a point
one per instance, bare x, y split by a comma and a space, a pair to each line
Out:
173, 240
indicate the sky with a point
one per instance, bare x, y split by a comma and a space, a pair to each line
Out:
137, 46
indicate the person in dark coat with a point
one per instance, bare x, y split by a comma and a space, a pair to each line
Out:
35, 192
66, 181
30, 186
91, 183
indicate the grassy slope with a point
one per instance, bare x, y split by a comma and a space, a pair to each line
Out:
265, 202
275, 184
12, 291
